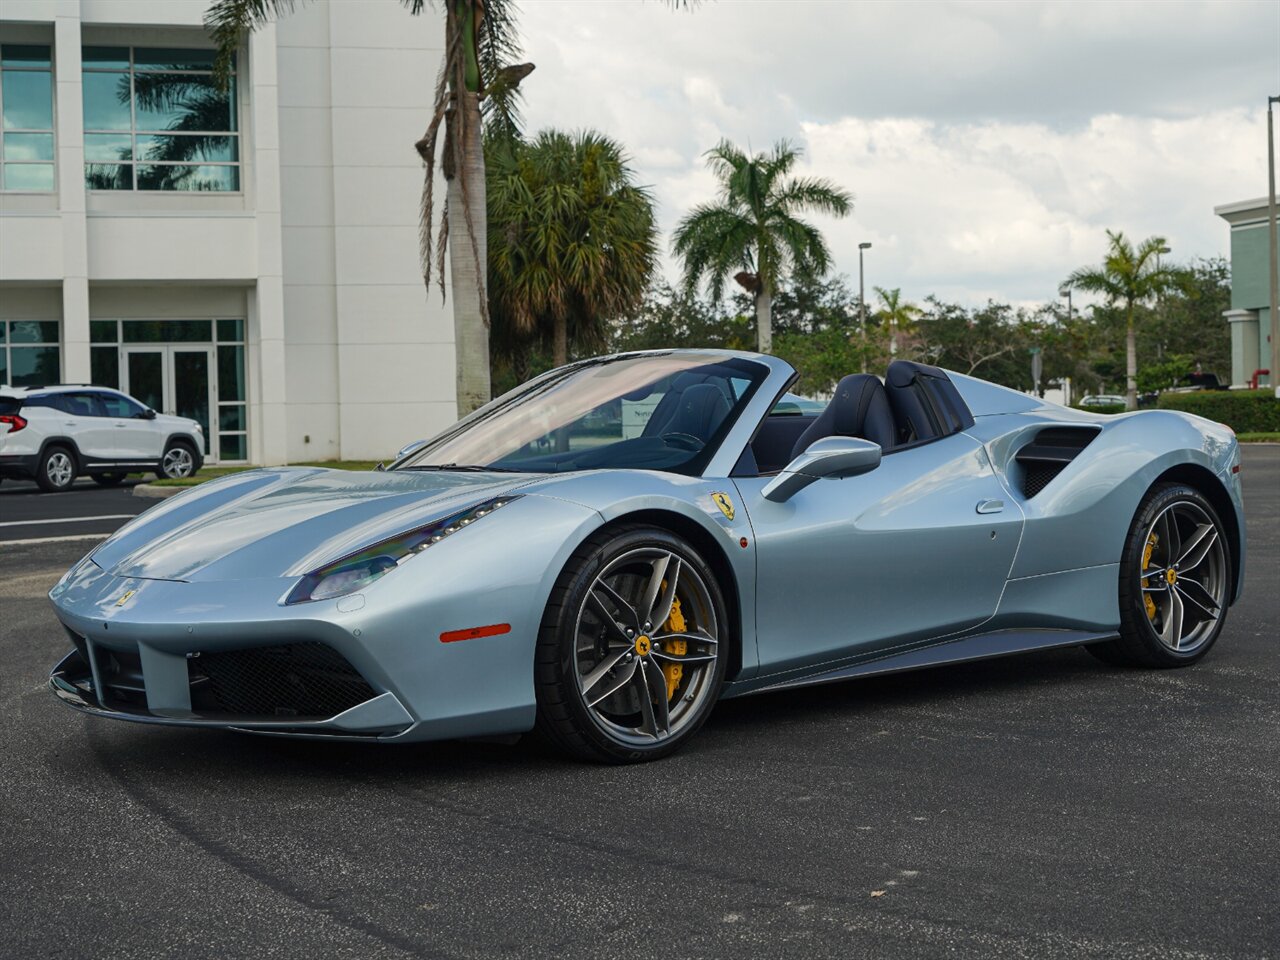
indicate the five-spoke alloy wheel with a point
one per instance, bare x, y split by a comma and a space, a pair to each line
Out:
632, 651
57, 470
1175, 581
177, 463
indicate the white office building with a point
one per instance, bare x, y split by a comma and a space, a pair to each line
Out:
247, 258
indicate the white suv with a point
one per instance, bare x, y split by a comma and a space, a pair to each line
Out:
53, 434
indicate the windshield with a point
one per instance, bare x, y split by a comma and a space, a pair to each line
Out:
666, 411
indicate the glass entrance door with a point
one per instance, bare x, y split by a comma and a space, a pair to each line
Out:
174, 380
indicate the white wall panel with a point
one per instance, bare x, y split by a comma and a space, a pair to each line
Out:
310, 313
378, 136
384, 199
30, 247
378, 254
172, 248
386, 313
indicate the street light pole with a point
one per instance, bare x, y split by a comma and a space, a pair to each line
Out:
1275, 258
1065, 291
862, 304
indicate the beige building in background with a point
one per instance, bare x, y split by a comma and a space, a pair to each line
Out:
247, 259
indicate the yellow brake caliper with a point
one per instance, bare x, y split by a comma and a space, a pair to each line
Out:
1146, 562
675, 624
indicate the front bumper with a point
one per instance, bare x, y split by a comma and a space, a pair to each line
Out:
145, 648
76, 683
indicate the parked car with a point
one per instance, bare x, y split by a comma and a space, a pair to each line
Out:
54, 434
610, 593
1102, 400
793, 405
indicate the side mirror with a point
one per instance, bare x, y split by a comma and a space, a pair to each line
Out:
828, 457
409, 448
147, 414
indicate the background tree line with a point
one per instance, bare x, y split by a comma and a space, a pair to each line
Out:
815, 324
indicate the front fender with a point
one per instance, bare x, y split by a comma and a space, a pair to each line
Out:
617, 494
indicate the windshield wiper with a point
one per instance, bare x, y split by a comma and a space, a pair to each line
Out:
463, 468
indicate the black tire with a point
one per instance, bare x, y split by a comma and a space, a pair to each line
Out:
174, 451
57, 469
564, 718
1139, 643
109, 479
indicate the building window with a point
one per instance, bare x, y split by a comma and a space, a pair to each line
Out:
154, 119
26, 135
29, 353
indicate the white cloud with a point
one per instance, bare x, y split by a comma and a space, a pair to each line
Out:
989, 145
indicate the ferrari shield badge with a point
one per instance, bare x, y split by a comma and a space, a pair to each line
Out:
125, 597
722, 501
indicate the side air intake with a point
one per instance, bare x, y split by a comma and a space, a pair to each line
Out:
1048, 454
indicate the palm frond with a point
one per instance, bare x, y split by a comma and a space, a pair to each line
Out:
814, 194
228, 20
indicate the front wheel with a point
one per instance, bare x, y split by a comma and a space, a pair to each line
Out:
178, 462
632, 649
1175, 577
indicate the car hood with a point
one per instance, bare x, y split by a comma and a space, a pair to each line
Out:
285, 522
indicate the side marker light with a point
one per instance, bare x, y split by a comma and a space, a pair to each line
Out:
475, 633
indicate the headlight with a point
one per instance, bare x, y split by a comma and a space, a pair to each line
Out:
357, 571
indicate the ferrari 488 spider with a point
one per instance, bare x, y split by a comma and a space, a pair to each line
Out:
608, 550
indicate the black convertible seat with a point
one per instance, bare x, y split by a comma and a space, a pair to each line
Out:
668, 408
859, 408
702, 409
926, 404
775, 440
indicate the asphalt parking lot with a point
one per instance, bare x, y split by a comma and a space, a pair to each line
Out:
1038, 806
27, 513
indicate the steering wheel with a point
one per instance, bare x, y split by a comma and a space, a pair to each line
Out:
685, 441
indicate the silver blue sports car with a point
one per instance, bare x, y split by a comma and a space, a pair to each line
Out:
606, 551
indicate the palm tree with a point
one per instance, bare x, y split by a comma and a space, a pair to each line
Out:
752, 230
480, 47
574, 242
898, 315
1128, 277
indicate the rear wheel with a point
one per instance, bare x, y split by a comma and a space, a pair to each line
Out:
108, 479
1175, 576
631, 653
57, 470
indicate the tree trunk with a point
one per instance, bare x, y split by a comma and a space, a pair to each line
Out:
764, 319
1130, 366
560, 343
468, 265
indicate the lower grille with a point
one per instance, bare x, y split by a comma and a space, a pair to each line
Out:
296, 680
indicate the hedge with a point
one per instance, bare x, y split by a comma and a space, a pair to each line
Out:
1244, 411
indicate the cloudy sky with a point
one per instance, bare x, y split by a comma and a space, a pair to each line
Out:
989, 145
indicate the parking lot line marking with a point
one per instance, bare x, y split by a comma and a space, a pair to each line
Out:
33, 523
53, 539
78, 536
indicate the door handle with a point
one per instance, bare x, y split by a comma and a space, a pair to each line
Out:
990, 506
121, 426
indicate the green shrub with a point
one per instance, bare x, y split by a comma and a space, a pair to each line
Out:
1107, 408
1244, 411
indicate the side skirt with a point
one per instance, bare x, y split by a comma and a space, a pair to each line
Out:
998, 643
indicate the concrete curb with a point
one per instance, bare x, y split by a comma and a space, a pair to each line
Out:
152, 492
